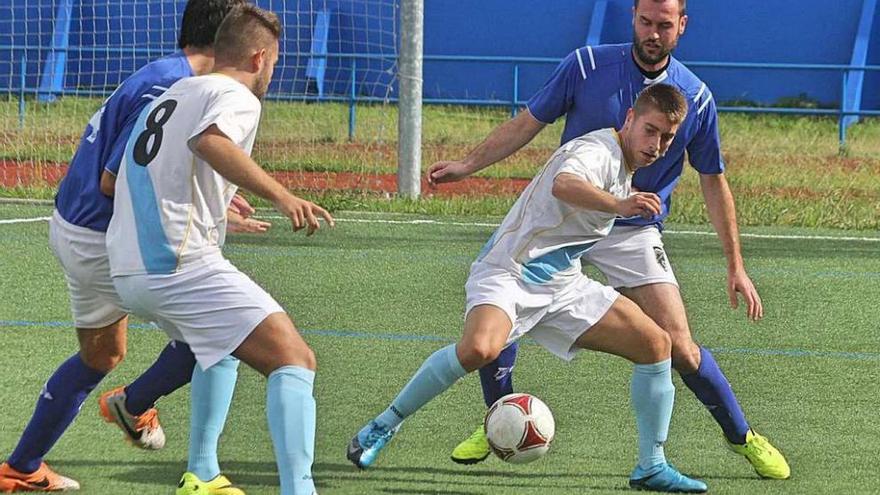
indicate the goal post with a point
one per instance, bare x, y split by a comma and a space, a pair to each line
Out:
409, 123
347, 68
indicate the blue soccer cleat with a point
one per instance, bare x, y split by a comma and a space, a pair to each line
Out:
365, 446
664, 478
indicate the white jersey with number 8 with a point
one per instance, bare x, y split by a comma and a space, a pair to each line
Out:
170, 205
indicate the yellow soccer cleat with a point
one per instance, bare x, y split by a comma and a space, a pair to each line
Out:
190, 484
473, 450
767, 461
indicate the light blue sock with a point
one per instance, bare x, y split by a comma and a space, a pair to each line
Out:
652, 396
436, 374
211, 395
290, 408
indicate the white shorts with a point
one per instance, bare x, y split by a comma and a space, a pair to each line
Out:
83, 256
554, 315
632, 256
210, 305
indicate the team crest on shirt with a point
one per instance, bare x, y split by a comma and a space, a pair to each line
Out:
661, 258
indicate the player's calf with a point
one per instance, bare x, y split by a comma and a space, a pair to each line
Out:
276, 349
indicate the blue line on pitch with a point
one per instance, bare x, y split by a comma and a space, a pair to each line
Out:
851, 356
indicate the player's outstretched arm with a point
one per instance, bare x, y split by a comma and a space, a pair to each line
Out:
504, 141
579, 192
236, 166
722, 213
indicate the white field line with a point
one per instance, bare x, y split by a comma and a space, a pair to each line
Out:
25, 220
665, 232
486, 224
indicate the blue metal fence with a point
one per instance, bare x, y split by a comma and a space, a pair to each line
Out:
844, 116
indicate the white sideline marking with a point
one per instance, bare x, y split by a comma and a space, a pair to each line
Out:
26, 220
486, 224
665, 232
781, 236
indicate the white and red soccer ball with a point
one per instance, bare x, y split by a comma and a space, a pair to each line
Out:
519, 428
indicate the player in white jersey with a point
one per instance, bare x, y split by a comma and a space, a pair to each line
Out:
593, 87
528, 280
186, 155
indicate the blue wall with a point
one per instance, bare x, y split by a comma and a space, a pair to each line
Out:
146, 29
743, 31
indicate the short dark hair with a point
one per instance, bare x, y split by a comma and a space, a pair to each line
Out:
682, 6
201, 19
246, 28
664, 98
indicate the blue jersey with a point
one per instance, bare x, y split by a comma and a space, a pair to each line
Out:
79, 199
595, 86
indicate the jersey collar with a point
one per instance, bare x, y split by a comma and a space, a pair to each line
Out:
647, 81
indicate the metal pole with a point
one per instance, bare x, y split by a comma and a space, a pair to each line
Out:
409, 121
52, 80
841, 120
514, 109
351, 100
23, 81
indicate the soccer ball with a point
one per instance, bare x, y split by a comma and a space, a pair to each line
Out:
519, 428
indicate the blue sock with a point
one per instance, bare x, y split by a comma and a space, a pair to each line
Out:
59, 403
290, 408
172, 370
497, 376
436, 374
652, 396
211, 395
712, 388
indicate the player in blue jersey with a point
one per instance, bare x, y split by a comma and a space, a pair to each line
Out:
592, 88
83, 208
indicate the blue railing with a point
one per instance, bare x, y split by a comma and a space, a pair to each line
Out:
514, 103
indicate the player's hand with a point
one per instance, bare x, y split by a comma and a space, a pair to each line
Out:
643, 204
442, 172
303, 214
239, 224
241, 206
739, 282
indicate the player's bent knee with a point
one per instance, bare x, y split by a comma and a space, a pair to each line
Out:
102, 349
306, 359
657, 346
475, 355
686, 358
101, 359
